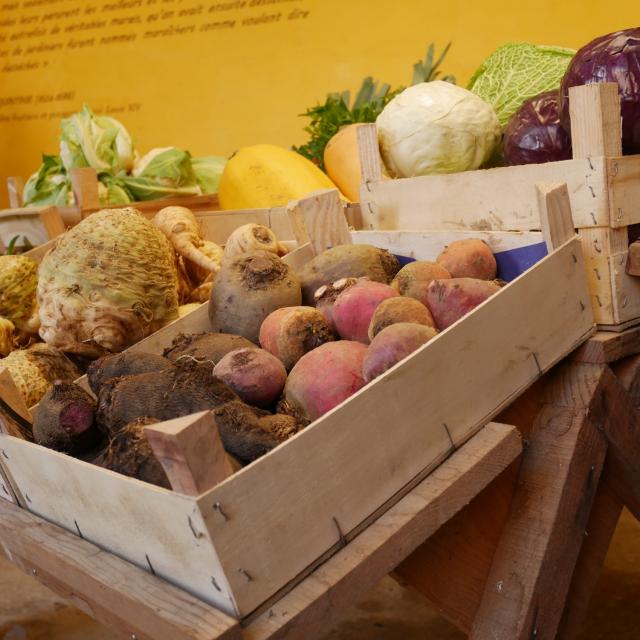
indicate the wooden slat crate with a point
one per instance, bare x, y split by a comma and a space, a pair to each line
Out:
250, 538
85, 190
604, 188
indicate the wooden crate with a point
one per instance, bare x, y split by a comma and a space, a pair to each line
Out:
85, 190
603, 186
37, 224
247, 540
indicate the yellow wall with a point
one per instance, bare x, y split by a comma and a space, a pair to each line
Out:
214, 91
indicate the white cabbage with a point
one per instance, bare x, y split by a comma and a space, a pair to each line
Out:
436, 127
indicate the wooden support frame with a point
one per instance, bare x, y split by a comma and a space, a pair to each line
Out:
555, 570
127, 604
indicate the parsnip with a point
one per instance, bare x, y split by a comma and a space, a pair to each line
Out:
252, 237
181, 228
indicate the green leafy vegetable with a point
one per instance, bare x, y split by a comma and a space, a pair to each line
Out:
94, 141
371, 99
49, 185
112, 191
208, 171
518, 71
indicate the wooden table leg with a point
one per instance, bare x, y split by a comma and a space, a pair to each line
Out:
604, 517
533, 564
451, 568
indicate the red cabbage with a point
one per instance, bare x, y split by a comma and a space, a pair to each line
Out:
611, 58
534, 134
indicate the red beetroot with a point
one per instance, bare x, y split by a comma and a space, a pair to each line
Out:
451, 299
290, 332
469, 258
325, 297
414, 279
323, 378
392, 344
401, 309
354, 308
254, 374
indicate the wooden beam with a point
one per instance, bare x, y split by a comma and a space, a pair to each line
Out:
85, 189
52, 222
451, 568
555, 214
133, 603
319, 219
619, 420
604, 517
605, 346
633, 259
15, 186
318, 601
596, 125
370, 161
538, 549
190, 452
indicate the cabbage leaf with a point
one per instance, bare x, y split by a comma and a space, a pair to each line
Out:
208, 171
517, 71
49, 185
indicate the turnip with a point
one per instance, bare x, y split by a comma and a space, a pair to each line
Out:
355, 306
247, 289
108, 282
400, 309
468, 258
64, 419
123, 364
323, 378
290, 332
392, 344
414, 279
206, 347
451, 299
254, 374
325, 297
346, 261
250, 238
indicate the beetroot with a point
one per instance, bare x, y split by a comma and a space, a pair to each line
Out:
64, 419
290, 332
323, 378
451, 299
392, 344
469, 258
354, 308
254, 374
414, 279
346, 261
325, 297
399, 309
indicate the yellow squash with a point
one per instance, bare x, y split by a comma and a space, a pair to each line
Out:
265, 175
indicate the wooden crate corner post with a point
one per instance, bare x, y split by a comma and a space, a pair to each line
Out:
85, 190
190, 452
319, 219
